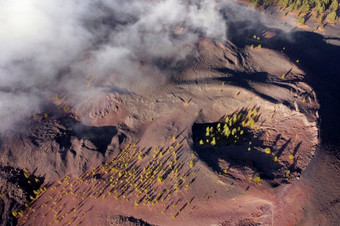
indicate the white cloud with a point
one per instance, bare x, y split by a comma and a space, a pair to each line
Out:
58, 45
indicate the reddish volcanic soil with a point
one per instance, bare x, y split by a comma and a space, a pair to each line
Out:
149, 157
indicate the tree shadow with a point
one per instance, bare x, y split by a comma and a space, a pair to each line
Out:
236, 154
320, 62
317, 58
100, 136
245, 80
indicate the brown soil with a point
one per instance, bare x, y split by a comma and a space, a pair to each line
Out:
135, 158
223, 80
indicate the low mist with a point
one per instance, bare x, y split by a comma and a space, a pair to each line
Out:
82, 48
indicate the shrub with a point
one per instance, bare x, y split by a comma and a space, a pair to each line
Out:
322, 8
287, 173
191, 164
301, 20
331, 16
213, 142
291, 8
207, 133
257, 179
284, 3
160, 179
305, 8
334, 6
251, 123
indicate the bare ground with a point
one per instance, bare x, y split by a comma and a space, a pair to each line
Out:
164, 116
94, 175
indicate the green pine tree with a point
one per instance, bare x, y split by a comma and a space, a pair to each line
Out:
331, 16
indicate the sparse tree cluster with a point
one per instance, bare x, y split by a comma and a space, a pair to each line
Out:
231, 129
140, 176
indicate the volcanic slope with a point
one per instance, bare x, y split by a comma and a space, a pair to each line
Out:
167, 155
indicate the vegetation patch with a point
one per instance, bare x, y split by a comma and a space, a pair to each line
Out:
233, 144
319, 8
